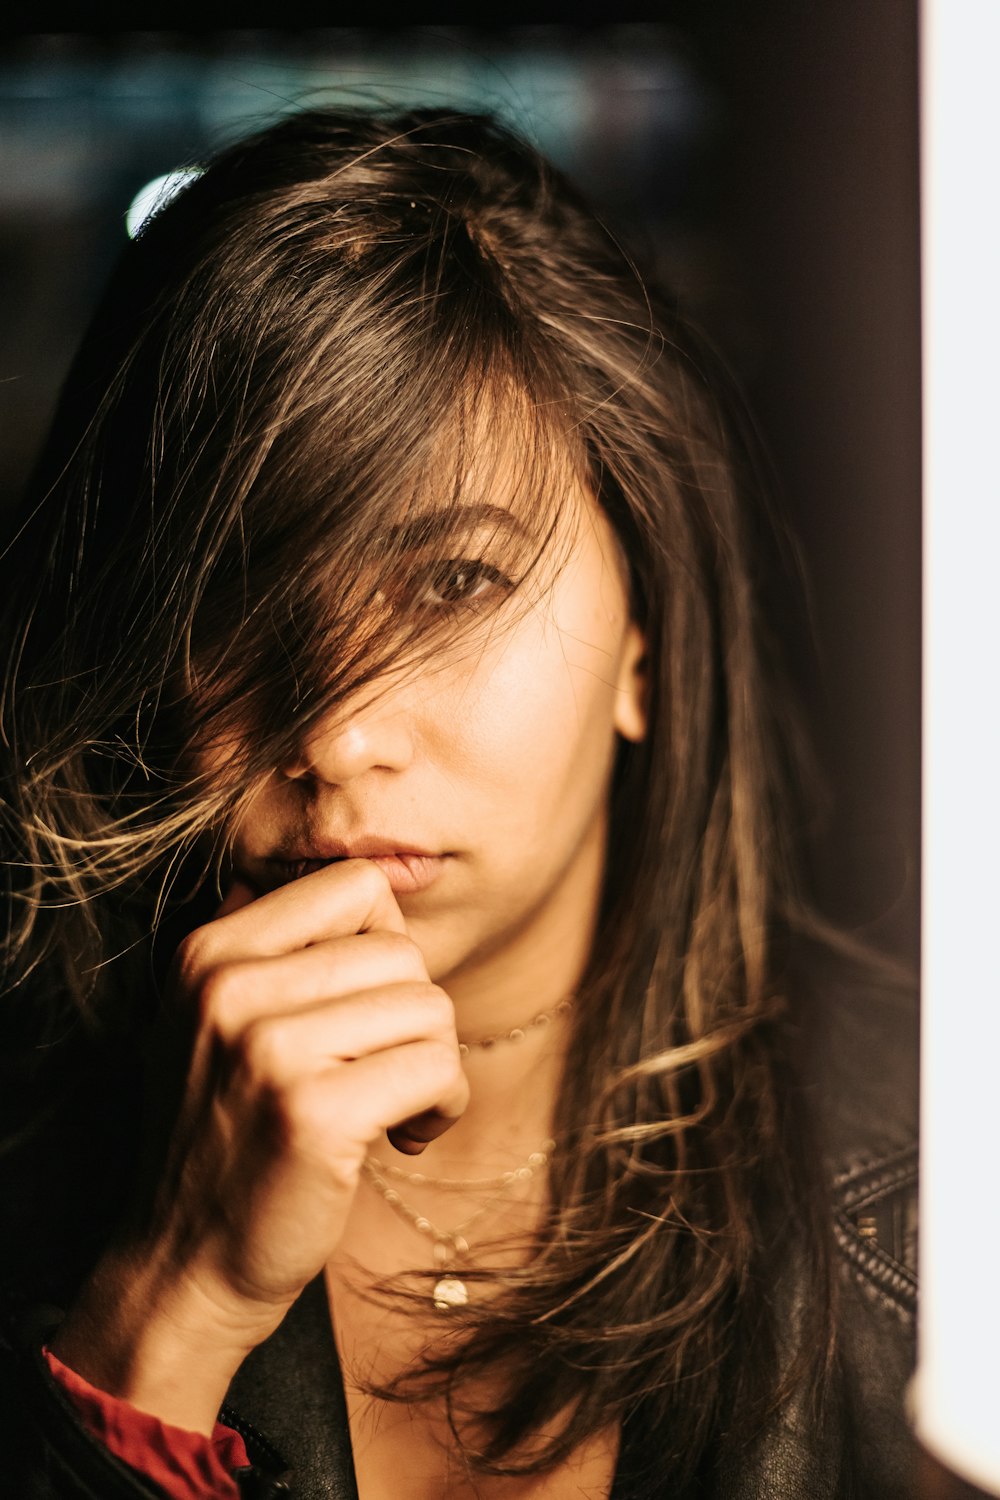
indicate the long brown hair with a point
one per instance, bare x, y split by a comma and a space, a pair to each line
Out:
297, 356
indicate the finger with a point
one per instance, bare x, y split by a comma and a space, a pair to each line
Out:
384, 1092
242, 991
351, 896
415, 1135
275, 1050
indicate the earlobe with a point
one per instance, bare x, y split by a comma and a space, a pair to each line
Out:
632, 688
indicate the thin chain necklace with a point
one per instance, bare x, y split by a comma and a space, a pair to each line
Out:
517, 1033
450, 1246
522, 1173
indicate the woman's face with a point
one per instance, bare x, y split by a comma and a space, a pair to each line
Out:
481, 783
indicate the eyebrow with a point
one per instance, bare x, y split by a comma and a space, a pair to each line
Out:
431, 525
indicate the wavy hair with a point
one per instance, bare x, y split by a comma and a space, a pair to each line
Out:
290, 376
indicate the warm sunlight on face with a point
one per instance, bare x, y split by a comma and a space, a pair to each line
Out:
480, 783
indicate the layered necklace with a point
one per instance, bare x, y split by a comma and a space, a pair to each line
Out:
451, 1246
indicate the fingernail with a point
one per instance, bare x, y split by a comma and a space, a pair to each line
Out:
410, 1145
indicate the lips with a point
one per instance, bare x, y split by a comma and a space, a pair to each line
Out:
409, 869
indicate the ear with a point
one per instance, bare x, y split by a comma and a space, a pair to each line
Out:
632, 687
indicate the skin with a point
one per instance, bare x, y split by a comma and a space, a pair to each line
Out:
322, 1013
499, 760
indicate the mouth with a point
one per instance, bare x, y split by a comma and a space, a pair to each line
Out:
408, 870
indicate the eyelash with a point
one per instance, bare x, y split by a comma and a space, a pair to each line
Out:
481, 572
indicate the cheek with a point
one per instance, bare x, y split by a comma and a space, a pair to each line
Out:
534, 720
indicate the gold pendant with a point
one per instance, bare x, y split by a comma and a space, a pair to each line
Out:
450, 1292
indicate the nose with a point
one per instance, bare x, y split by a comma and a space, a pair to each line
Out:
344, 745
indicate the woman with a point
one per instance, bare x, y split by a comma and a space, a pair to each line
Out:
393, 771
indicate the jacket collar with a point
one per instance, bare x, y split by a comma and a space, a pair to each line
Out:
290, 1388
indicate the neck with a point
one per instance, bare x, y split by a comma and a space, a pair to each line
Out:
514, 1084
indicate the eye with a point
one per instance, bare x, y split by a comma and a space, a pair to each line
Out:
460, 580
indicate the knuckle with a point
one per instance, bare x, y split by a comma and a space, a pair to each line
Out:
264, 1051
440, 1010
219, 992
443, 1060
374, 878
191, 959
403, 954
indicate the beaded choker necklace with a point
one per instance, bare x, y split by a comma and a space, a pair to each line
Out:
517, 1033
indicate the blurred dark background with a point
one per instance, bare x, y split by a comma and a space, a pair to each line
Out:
764, 158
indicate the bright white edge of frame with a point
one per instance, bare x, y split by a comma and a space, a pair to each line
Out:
954, 1395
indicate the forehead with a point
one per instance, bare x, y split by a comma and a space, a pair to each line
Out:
502, 467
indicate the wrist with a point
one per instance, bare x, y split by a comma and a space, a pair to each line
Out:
168, 1343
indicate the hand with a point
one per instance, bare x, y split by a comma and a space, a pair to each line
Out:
313, 1028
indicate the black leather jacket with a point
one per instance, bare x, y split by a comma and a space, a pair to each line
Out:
288, 1402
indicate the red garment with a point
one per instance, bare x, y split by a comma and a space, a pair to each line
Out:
186, 1465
